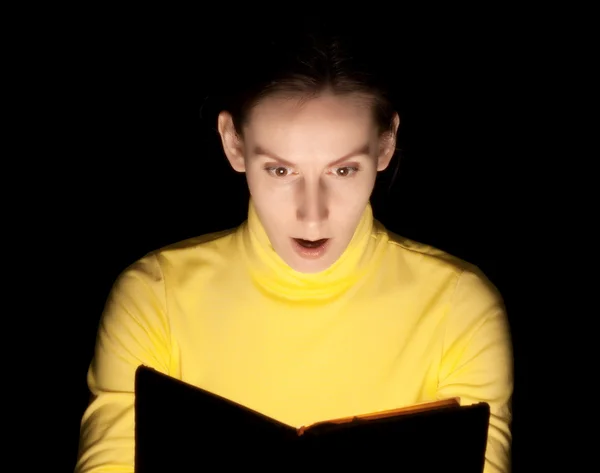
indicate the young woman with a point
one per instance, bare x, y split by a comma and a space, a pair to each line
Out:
310, 309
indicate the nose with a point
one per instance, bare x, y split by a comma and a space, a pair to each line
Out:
312, 204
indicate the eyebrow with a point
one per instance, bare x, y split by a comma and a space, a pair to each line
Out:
363, 150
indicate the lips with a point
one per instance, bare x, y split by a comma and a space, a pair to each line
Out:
310, 249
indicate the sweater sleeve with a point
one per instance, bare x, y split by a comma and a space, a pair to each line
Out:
133, 330
477, 363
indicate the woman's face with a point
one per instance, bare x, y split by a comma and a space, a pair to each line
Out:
311, 168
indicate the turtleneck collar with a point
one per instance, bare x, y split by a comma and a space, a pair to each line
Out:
272, 274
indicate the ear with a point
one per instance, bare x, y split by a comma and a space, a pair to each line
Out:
232, 143
387, 145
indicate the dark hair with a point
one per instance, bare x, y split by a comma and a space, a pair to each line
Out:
305, 64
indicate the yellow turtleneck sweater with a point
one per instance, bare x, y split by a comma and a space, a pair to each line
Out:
391, 323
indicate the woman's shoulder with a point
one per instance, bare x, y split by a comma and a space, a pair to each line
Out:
212, 248
207, 240
430, 263
418, 253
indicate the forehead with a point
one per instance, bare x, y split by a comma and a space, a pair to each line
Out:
326, 121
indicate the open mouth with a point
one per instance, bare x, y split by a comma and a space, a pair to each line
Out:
310, 249
310, 243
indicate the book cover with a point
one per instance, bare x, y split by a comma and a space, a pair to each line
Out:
180, 427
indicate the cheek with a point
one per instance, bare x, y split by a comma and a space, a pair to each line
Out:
353, 192
267, 199
256, 183
263, 188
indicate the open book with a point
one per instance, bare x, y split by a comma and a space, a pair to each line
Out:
180, 427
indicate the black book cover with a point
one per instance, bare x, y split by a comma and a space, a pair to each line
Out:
180, 427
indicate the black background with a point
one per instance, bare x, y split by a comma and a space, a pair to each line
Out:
138, 168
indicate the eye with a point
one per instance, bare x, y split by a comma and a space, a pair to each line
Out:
278, 171
346, 171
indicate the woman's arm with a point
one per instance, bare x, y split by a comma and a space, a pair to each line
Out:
477, 365
133, 330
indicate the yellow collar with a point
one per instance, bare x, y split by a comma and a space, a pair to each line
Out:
274, 276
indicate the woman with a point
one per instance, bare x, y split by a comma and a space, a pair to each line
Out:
310, 298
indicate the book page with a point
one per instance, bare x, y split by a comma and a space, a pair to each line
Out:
421, 407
